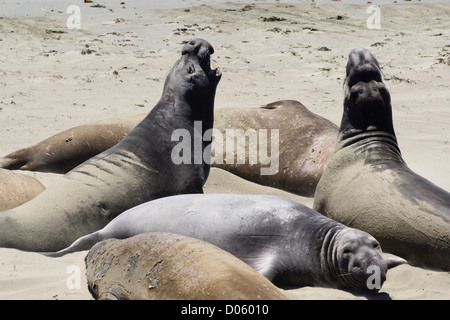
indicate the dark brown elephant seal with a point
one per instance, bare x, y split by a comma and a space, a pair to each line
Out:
165, 266
138, 169
17, 188
367, 185
305, 142
64, 151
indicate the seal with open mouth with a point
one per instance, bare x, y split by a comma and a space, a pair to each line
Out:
136, 170
367, 184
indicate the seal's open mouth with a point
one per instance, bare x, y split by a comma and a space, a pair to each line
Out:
205, 63
215, 72
364, 74
362, 67
201, 50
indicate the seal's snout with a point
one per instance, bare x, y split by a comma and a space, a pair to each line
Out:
196, 46
361, 59
368, 267
362, 66
201, 50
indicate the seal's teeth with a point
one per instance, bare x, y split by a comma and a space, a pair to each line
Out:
215, 71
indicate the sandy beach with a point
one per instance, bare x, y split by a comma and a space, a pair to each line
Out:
53, 78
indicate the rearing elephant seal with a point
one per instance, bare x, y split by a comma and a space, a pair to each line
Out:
287, 242
368, 186
164, 266
136, 170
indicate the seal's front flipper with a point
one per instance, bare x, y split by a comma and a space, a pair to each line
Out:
394, 262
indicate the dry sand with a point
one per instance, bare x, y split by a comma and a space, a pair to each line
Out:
267, 52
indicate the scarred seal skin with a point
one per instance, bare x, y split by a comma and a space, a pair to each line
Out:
137, 169
287, 242
164, 266
304, 142
367, 184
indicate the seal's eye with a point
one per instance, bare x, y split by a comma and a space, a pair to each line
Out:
191, 69
375, 245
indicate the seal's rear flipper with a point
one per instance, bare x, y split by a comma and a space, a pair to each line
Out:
84, 243
10, 163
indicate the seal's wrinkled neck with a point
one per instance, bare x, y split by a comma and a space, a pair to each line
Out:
327, 256
374, 147
302, 244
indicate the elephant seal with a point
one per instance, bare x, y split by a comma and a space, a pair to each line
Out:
367, 185
298, 169
305, 142
287, 242
136, 170
17, 188
64, 151
164, 266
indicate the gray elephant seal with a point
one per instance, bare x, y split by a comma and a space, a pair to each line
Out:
136, 170
298, 169
305, 142
64, 151
287, 242
164, 266
17, 188
367, 184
